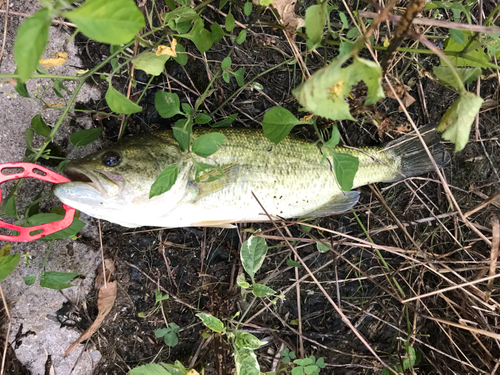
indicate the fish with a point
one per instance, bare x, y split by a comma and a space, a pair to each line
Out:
260, 180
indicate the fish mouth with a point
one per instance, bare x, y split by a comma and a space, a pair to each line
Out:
106, 183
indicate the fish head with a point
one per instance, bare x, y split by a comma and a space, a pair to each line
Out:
114, 184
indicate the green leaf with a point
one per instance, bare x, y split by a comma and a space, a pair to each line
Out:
409, 361
315, 21
343, 19
175, 369
10, 207
240, 76
150, 63
202, 118
345, 167
245, 340
345, 48
180, 18
57, 280
181, 57
171, 4
84, 137
110, 21
200, 36
241, 282
149, 369
455, 7
222, 3
72, 230
30, 133
226, 77
352, 33
58, 87
208, 144
32, 37
159, 296
171, 339
230, 22
323, 94
226, 63
446, 76
216, 32
187, 109
212, 322
292, 263
247, 9
334, 139
277, 123
167, 104
182, 132
253, 252
478, 54
207, 172
226, 122
241, 38
260, 290
29, 280
246, 362
119, 103
21, 88
458, 36
7, 264
164, 181
457, 120
322, 248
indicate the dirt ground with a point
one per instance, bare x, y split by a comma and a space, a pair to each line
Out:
420, 242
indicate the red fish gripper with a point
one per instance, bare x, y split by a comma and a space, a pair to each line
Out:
40, 173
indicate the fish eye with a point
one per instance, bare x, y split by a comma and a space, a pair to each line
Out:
111, 159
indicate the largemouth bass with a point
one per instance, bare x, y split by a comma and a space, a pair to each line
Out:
291, 179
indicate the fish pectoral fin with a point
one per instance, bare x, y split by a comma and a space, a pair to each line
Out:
339, 203
215, 224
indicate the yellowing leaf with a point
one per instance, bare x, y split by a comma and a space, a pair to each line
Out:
265, 3
170, 51
81, 72
59, 59
5, 250
193, 372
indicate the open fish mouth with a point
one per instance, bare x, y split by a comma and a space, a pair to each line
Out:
106, 183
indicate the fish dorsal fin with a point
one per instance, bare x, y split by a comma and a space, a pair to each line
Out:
204, 189
339, 203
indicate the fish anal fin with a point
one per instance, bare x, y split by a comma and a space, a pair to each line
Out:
339, 203
215, 224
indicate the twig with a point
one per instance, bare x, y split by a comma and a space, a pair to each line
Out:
437, 23
453, 287
102, 255
6, 23
495, 244
8, 331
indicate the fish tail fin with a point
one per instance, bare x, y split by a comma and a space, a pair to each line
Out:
414, 158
